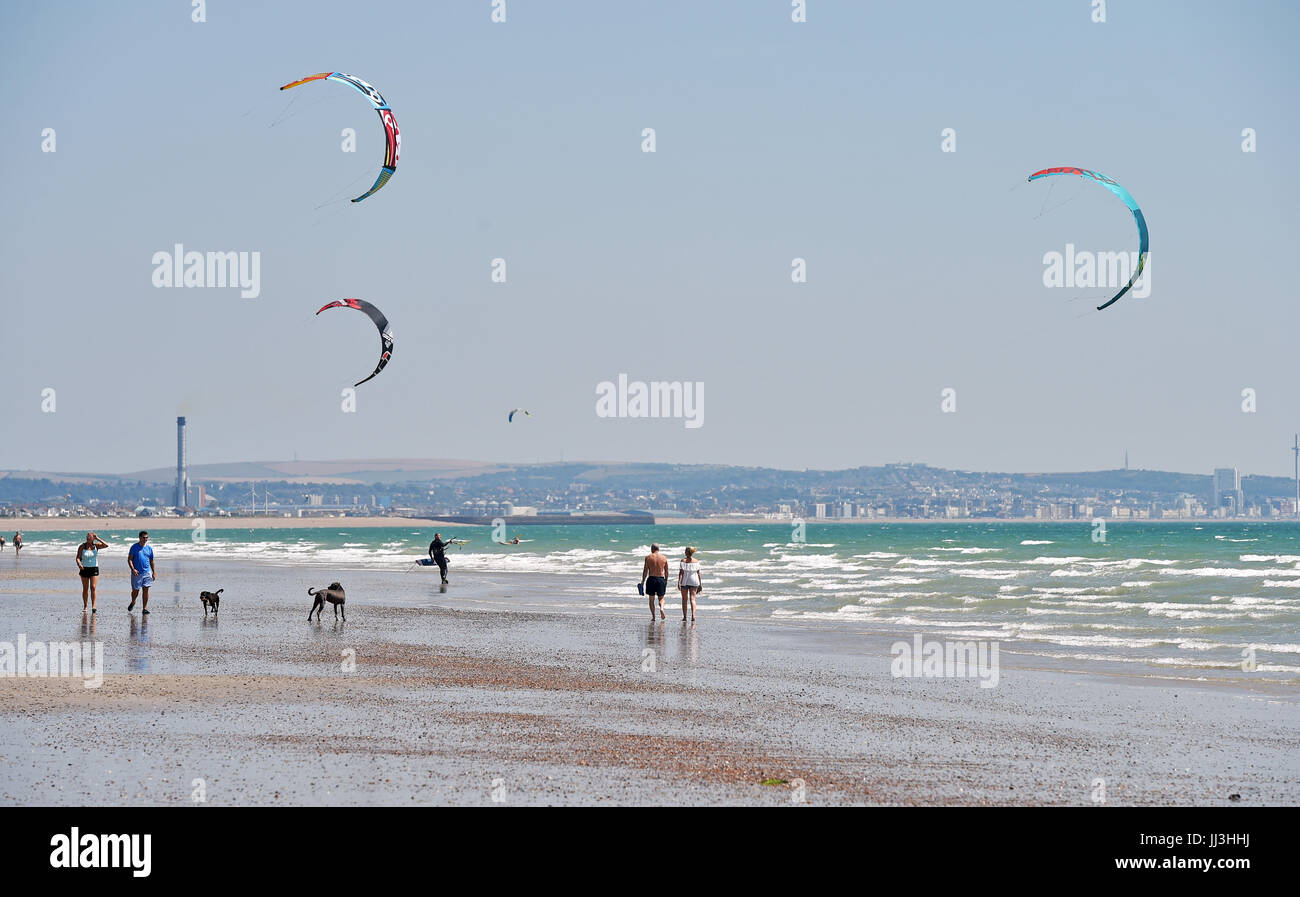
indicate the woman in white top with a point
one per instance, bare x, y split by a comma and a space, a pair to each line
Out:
689, 581
88, 565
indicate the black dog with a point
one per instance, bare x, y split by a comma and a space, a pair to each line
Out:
210, 599
334, 595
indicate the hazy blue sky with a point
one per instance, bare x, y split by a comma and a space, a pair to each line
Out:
775, 140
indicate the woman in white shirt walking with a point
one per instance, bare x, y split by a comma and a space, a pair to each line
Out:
690, 581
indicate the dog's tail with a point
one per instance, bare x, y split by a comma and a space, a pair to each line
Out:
218, 591
310, 592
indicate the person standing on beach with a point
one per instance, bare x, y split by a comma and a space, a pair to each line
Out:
88, 567
18, 543
438, 551
140, 560
654, 575
689, 581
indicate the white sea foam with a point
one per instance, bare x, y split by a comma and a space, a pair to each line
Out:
1229, 572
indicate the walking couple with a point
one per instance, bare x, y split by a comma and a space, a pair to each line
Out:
654, 580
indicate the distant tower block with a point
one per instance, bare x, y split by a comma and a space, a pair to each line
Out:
1296, 448
182, 474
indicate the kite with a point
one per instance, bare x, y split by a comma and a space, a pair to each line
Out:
511, 418
391, 134
385, 335
1113, 186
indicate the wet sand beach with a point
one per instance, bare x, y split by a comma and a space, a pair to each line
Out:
489, 692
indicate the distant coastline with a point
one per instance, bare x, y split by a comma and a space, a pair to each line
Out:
134, 524
1082, 521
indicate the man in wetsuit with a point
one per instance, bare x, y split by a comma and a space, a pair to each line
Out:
654, 572
438, 551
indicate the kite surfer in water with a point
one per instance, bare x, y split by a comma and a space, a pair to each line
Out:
438, 553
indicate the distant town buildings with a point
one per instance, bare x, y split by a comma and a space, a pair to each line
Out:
912, 491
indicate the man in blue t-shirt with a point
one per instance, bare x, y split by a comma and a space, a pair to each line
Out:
140, 560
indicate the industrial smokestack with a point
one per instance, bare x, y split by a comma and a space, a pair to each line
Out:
182, 476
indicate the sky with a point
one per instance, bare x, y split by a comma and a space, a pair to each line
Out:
774, 141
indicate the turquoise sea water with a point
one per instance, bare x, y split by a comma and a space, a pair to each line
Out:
1190, 595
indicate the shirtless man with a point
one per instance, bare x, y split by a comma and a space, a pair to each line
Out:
654, 573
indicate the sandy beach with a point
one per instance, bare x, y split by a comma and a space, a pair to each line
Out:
487, 692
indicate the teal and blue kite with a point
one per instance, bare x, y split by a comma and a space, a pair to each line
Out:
1113, 186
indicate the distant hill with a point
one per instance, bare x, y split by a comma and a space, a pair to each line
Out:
346, 472
745, 483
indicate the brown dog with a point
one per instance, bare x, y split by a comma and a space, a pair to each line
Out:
334, 595
211, 599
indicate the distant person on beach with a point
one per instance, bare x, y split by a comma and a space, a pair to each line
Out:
438, 551
2, 541
140, 560
88, 567
18, 542
654, 574
689, 581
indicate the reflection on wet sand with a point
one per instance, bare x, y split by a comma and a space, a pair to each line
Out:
688, 648
137, 650
655, 639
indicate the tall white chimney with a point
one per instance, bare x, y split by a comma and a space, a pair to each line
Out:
182, 476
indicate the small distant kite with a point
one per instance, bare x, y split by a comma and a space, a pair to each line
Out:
1113, 186
511, 418
392, 136
385, 335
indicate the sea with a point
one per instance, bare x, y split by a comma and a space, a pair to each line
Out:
1220, 595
